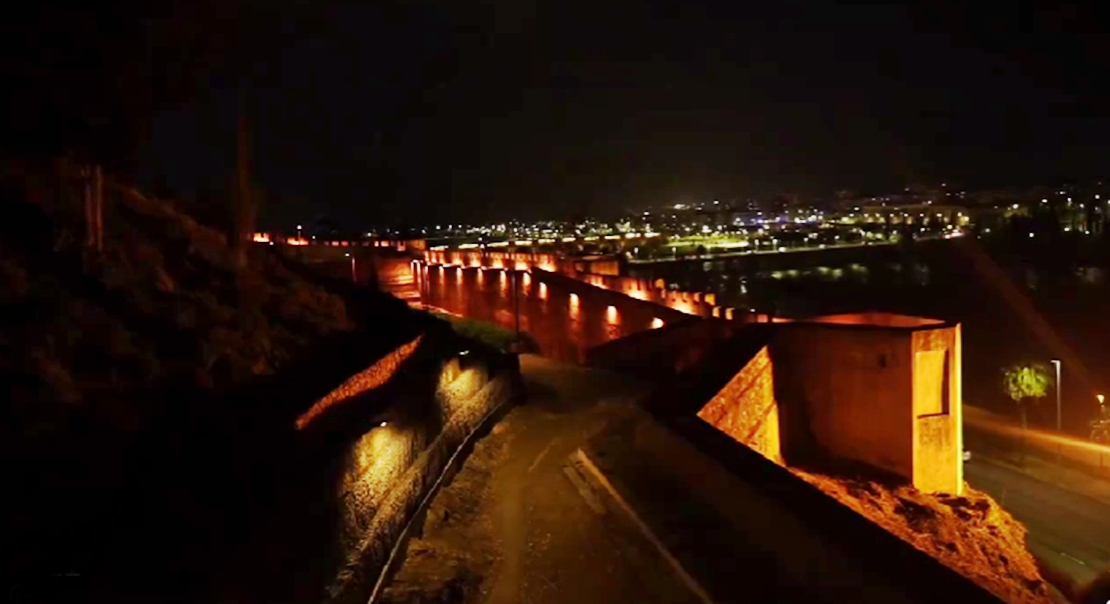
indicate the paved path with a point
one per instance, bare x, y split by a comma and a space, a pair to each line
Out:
1068, 530
554, 539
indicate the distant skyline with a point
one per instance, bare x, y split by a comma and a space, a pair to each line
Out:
409, 111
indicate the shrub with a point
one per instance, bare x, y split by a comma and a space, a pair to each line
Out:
489, 333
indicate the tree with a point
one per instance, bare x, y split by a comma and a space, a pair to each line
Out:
1100, 426
1025, 383
245, 209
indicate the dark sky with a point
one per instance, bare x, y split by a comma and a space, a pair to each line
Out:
499, 109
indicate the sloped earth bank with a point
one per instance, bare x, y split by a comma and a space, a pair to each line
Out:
971, 534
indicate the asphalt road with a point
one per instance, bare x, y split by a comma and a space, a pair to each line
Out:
558, 542
1067, 530
551, 536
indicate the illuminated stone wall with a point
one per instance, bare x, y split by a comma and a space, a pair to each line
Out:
850, 390
938, 410
494, 259
379, 520
565, 317
880, 390
607, 277
815, 542
692, 303
663, 351
394, 427
396, 276
362, 382
745, 408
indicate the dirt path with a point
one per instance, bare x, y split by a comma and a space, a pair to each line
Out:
512, 527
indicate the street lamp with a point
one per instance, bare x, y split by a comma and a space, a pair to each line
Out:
1059, 426
514, 282
354, 273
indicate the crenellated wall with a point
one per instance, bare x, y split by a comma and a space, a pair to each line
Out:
564, 316
692, 303
401, 245
659, 354
475, 258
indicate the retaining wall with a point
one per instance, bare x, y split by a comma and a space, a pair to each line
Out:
660, 353
814, 542
390, 465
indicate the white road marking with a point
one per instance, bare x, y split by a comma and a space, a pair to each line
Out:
691, 583
540, 457
584, 489
1072, 558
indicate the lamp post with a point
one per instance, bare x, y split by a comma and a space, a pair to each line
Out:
354, 273
514, 282
1059, 426
422, 271
1101, 414
1059, 423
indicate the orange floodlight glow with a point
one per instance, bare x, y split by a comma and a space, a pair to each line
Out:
362, 382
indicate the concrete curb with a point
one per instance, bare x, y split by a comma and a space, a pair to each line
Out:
691, 583
396, 556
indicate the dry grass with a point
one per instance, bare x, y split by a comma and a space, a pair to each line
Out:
971, 534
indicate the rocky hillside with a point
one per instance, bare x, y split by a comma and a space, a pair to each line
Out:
160, 305
145, 378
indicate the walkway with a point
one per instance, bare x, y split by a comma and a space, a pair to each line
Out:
519, 525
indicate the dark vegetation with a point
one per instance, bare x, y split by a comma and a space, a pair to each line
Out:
151, 393
492, 335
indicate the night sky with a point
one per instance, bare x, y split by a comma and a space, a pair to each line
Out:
417, 112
